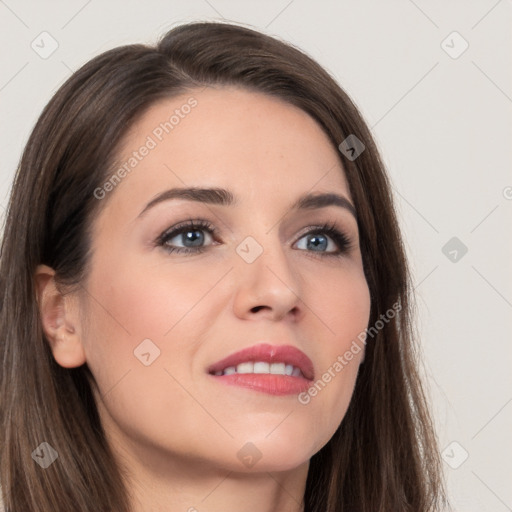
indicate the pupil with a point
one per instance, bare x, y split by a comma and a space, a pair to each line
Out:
192, 236
314, 241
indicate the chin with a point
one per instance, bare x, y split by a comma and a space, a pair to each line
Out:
281, 451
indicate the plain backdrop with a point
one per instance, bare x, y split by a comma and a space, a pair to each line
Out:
433, 81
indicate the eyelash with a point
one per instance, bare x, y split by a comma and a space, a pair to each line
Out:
341, 239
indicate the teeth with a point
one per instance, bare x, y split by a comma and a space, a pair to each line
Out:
277, 368
260, 367
245, 368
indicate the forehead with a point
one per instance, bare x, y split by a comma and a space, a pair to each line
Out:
258, 146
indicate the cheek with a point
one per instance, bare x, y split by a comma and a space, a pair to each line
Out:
130, 303
341, 302
344, 310
149, 301
352, 314
128, 307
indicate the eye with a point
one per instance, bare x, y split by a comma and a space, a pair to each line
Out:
324, 240
190, 234
193, 237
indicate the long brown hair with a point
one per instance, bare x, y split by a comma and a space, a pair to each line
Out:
383, 457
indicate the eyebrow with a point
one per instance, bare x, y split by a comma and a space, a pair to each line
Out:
223, 197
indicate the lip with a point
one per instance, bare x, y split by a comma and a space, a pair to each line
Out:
268, 383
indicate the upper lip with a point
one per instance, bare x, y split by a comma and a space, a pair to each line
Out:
268, 353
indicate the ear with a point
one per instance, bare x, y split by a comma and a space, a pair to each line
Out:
60, 319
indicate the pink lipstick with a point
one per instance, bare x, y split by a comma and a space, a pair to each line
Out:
272, 369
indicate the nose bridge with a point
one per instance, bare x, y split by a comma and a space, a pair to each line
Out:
266, 277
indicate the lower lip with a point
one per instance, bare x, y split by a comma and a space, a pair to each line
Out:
266, 383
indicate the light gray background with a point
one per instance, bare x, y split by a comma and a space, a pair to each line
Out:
444, 128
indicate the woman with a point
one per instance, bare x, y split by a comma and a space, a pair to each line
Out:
205, 300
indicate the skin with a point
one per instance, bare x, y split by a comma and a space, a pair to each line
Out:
174, 428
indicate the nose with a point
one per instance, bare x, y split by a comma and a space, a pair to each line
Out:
268, 287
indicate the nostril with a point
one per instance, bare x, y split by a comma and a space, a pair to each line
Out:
256, 308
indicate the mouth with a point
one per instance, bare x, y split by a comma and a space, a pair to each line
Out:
271, 369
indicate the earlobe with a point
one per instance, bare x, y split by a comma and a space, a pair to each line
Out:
59, 319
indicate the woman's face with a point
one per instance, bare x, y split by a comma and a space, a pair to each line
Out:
158, 319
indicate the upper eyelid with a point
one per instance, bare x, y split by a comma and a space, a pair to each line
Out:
189, 224
206, 225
